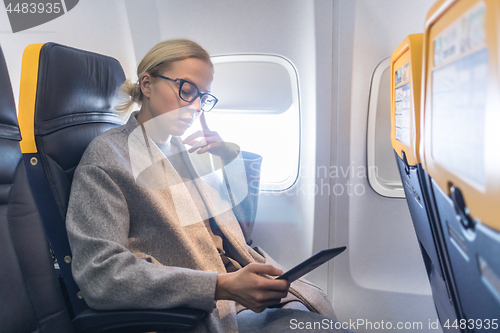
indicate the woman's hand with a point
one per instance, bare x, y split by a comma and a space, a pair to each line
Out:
210, 141
247, 287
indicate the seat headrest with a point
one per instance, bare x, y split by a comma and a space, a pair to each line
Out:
74, 87
9, 128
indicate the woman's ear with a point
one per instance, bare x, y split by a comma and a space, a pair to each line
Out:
145, 83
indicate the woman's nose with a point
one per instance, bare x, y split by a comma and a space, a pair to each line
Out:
197, 104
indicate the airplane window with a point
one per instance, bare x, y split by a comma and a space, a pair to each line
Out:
384, 175
258, 109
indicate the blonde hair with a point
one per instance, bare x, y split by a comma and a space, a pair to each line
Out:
156, 62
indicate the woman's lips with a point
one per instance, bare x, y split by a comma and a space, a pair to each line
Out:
186, 122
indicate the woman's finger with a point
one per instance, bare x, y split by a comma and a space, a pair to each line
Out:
204, 149
190, 143
203, 142
199, 144
203, 122
210, 146
207, 140
192, 136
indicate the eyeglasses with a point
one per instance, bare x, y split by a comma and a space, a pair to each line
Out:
188, 92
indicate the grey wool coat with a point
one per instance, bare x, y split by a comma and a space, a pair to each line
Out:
131, 248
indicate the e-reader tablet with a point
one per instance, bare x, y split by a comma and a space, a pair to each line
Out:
309, 264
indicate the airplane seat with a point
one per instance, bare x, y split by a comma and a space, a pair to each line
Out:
473, 249
406, 65
66, 100
460, 150
29, 289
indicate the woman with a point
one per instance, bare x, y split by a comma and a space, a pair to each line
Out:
148, 231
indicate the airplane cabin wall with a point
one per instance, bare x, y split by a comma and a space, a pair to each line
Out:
383, 277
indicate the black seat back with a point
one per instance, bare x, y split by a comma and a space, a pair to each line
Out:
31, 298
406, 74
65, 101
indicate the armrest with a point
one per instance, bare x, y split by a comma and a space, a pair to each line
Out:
129, 321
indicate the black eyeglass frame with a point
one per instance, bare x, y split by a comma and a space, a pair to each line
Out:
199, 94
